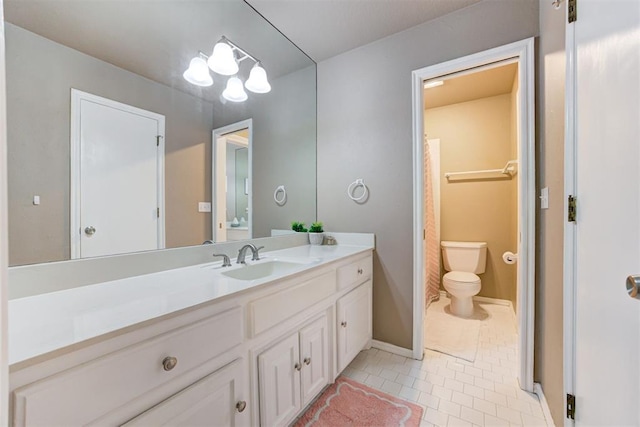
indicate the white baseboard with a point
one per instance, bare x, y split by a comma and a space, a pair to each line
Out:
400, 351
537, 389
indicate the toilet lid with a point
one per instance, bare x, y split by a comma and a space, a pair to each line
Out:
461, 276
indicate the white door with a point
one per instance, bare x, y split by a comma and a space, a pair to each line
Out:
215, 400
279, 380
607, 320
314, 352
117, 178
354, 323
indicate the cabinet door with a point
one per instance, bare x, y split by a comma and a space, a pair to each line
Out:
279, 379
215, 400
354, 323
314, 352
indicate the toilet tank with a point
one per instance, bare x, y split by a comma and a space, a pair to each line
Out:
470, 257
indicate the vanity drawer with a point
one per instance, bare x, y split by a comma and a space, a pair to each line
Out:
268, 311
354, 273
82, 394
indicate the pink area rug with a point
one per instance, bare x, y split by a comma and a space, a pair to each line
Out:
349, 403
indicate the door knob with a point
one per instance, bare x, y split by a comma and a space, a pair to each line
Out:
241, 405
633, 286
307, 361
90, 230
297, 366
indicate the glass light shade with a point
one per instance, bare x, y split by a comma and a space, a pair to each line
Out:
234, 91
222, 60
198, 73
257, 81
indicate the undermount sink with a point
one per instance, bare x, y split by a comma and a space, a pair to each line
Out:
262, 270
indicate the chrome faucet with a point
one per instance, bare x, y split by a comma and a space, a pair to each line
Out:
226, 262
242, 253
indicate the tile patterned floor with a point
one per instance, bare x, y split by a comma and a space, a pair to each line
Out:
455, 392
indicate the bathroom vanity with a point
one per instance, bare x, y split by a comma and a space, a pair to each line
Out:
240, 345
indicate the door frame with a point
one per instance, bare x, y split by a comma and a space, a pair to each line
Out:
523, 52
77, 96
4, 240
217, 134
569, 253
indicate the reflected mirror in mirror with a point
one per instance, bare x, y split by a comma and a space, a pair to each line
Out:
129, 59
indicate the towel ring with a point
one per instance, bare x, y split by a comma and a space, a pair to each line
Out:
352, 188
282, 200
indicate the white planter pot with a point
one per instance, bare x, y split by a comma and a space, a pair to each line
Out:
316, 238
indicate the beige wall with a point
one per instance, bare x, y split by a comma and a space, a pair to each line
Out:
477, 135
38, 100
549, 255
365, 131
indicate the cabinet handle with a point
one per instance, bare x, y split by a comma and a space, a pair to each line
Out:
359, 271
344, 324
307, 361
241, 405
297, 366
168, 363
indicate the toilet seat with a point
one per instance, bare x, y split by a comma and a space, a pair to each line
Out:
461, 277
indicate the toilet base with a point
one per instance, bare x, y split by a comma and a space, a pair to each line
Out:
461, 307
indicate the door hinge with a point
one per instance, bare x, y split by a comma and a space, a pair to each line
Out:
572, 209
573, 11
424, 234
571, 406
158, 140
158, 212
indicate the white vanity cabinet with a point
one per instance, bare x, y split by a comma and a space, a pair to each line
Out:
293, 372
216, 400
258, 356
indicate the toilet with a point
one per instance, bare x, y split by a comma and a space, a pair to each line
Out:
463, 261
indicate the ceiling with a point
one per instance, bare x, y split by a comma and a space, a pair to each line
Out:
469, 86
157, 39
325, 28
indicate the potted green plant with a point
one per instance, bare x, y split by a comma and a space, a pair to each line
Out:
298, 227
316, 233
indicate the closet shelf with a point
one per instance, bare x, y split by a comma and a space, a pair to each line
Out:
510, 169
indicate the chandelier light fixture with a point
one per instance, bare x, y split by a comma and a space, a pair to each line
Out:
225, 61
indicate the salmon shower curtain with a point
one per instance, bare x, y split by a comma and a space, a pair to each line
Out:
431, 245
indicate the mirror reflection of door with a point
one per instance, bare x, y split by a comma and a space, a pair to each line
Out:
117, 177
232, 182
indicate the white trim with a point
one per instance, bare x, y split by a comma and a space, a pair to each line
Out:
537, 389
569, 254
390, 348
4, 245
77, 97
524, 52
217, 133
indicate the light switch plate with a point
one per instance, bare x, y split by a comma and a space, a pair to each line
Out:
544, 198
36, 200
204, 207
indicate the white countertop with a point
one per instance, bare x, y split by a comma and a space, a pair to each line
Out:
47, 322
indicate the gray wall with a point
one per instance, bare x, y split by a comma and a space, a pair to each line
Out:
549, 309
365, 131
284, 149
40, 75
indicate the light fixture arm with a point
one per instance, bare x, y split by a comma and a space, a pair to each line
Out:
239, 49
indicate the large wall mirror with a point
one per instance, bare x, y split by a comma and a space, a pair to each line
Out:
80, 73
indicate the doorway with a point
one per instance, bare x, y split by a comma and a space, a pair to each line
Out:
521, 54
231, 179
117, 177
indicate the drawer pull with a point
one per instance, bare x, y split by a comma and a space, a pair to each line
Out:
297, 366
307, 361
168, 363
344, 324
360, 271
240, 406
